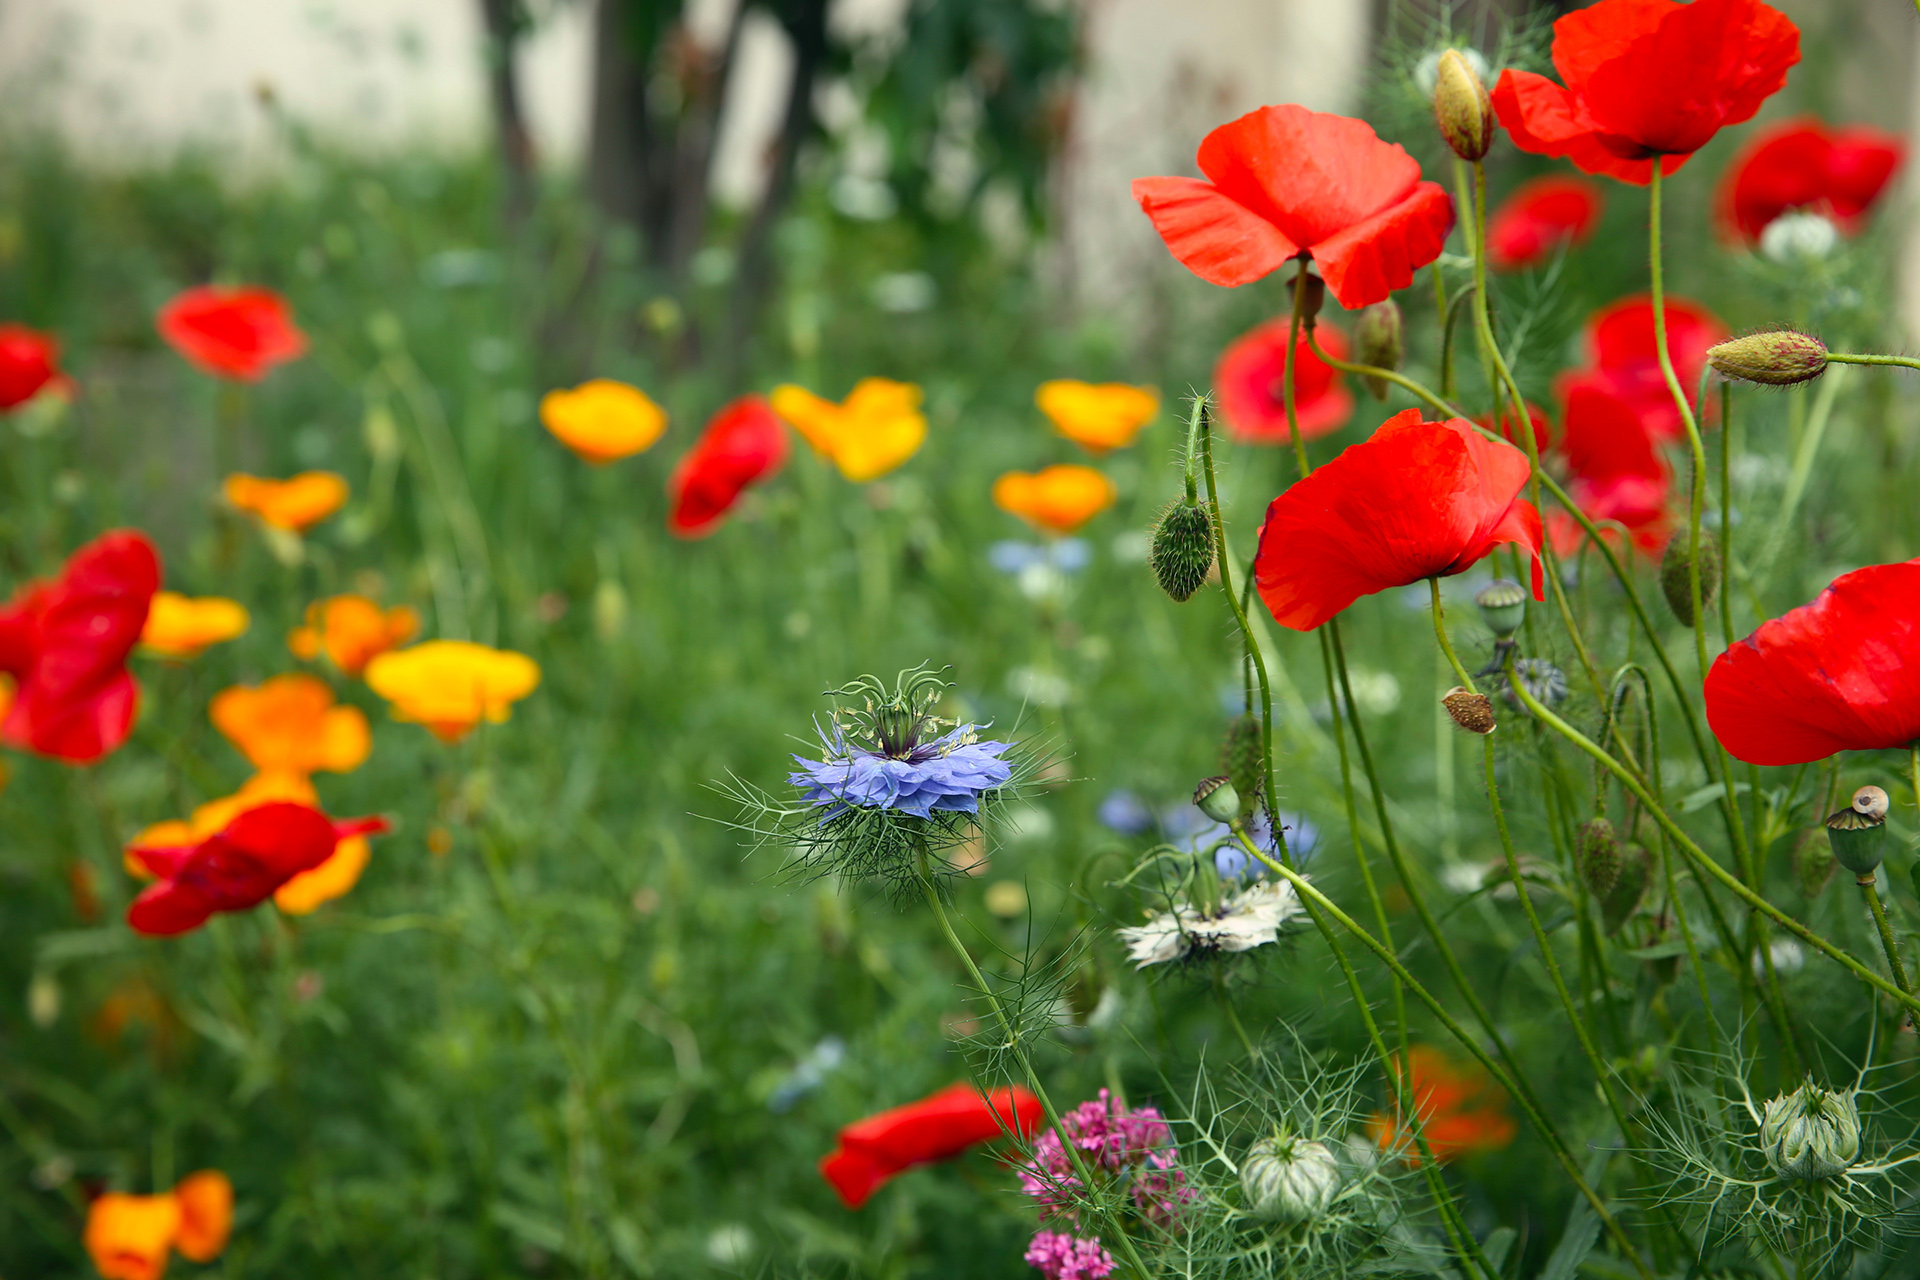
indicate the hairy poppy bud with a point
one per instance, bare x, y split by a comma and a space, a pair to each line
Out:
1471, 711
1629, 886
1858, 833
1811, 1132
1240, 757
1503, 607
1675, 583
1813, 863
1378, 341
1217, 799
1288, 1179
1778, 358
1462, 107
1181, 549
1596, 856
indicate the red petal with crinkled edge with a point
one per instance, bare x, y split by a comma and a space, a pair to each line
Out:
1417, 500
1540, 216
1250, 380
1545, 119
1222, 242
1841, 673
937, 1127
1366, 262
743, 444
1802, 165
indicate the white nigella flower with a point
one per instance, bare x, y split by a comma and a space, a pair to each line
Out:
1797, 237
1248, 919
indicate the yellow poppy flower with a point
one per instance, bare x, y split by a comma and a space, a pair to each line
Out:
294, 504
1058, 499
352, 631
129, 1237
290, 723
875, 429
603, 420
1098, 416
182, 627
452, 685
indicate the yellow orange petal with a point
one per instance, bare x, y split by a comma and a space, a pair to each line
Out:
1099, 416
816, 419
1058, 499
452, 685
332, 879
878, 426
292, 504
128, 1237
206, 1214
290, 722
182, 626
603, 420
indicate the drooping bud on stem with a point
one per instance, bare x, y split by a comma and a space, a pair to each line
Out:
1471, 711
1858, 833
1503, 607
1180, 549
1811, 1132
1778, 358
1462, 107
1218, 799
1596, 856
1675, 583
1378, 341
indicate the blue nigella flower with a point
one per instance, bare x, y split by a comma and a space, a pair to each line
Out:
1124, 812
948, 773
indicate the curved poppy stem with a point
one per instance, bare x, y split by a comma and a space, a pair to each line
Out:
1483, 322
1446, 646
1842, 357
1293, 350
1374, 371
1872, 891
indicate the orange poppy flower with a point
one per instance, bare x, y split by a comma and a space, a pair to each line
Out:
130, 1237
450, 686
293, 504
1059, 499
875, 429
603, 420
290, 723
1461, 1111
1099, 416
182, 627
352, 631
206, 1215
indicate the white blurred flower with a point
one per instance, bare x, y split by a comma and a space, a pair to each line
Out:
1426, 72
1249, 919
1798, 237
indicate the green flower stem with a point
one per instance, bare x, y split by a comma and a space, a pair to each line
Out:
1233, 1016
1903, 362
1313, 899
1446, 646
1726, 514
1701, 861
1805, 451
1443, 315
1872, 891
1375, 371
1287, 391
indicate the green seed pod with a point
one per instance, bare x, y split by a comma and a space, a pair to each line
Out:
1596, 856
1181, 549
1217, 799
1378, 341
1777, 359
1858, 833
1674, 583
1813, 863
1240, 759
1503, 607
1288, 1179
1811, 1132
1636, 867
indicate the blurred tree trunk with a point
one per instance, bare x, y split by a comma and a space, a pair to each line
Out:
506, 21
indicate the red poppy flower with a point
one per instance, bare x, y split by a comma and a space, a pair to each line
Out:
1286, 182
65, 643
1251, 379
1536, 418
1646, 79
938, 1127
29, 363
743, 444
1802, 164
1834, 675
237, 332
1615, 472
1417, 500
1623, 359
237, 867
1539, 217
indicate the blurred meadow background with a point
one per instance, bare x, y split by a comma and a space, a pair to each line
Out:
568, 1023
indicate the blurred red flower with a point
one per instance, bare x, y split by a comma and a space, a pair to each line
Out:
1804, 165
65, 643
1417, 500
1461, 1111
1647, 79
1251, 378
1286, 182
1623, 360
1838, 674
237, 867
744, 443
1539, 217
29, 364
237, 332
938, 1127
1615, 472
1536, 418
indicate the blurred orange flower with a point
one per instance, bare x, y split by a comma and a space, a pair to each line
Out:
294, 504
1098, 416
1059, 499
129, 1237
1461, 1111
452, 685
290, 723
182, 627
603, 421
352, 630
875, 429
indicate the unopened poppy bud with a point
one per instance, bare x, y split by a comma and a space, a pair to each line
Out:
1217, 799
1180, 551
1813, 863
1811, 1133
1378, 341
1629, 886
1596, 856
1675, 582
1503, 607
1289, 1180
1240, 758
1778, 358
1471, 711
1462, 107
1858, 833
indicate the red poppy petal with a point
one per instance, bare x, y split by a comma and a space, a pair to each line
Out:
1250, 381
1543, 118
167, 908
1310, 173
744, 443
936, 1127
78, 729
854, 1176
1863, 160
1220, 241
1367, 261
283, 837
1540, 216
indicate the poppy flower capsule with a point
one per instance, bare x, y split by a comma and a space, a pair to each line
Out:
1462, 107
1471, 711
1858, 833
1218, 798
1778, 358
1312, 295
1503, 607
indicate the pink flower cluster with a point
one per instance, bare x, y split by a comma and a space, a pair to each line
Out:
1063, 1257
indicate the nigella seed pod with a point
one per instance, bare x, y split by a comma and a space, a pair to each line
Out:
1811, 1133
1596, 856
1675, 582
1462, 107
1629, 886
1240, 758
1378, 340
1180, 550
1858, 833
1503, 607
1471, 711
1288, 1179
1776, 359
1218, 799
